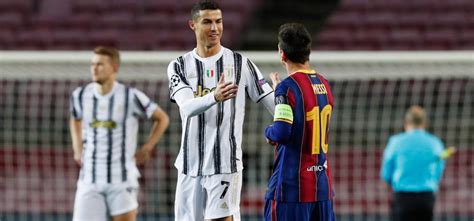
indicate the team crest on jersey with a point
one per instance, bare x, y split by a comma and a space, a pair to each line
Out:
175, 79
229, 72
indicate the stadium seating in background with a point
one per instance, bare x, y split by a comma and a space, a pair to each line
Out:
249, 25
399, 25
77, 25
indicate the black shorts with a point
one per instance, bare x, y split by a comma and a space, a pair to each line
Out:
416, 206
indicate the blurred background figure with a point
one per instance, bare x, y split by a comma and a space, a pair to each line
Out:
413, 164
104, 127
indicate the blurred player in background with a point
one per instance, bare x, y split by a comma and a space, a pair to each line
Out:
300, 187
210, 84
104, 128
413, 164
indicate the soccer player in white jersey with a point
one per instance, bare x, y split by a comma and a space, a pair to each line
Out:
209, 84
104, 127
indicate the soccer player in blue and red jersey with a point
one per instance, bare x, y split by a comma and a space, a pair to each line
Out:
300, 187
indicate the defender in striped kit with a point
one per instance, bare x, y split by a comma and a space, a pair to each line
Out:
210, 84
104, 127
300, 187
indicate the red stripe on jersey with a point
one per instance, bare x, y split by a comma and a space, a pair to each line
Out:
328, 174
307, 179
274, 214
291, 98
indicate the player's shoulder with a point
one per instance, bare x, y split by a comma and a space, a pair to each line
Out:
181, 59
83, 89
433, 138
230, 53
283, 86
397, 137
123, 88
136, 92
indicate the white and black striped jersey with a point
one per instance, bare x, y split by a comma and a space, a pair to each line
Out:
109, 131
212, 132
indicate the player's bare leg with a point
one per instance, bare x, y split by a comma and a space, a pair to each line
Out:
129, 216
228, 218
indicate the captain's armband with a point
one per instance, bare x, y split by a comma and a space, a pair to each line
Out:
283, 113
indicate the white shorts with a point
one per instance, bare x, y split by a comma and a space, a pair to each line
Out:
96, 202
208, 197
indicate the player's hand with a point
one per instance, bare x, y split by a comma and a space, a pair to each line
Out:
143, 154
225, 91
273, 143
275, 77
78, 158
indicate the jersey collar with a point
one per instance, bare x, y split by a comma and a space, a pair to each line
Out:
207, 59
98, 95
305, 71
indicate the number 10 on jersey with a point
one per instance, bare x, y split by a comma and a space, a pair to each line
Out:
320, 121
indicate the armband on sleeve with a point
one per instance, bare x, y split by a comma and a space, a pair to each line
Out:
283, 113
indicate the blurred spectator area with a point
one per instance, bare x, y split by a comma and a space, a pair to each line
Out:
399, 25
127, 24
249, 24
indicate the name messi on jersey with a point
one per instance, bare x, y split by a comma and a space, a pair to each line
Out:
319, 89
203, 91
105, 124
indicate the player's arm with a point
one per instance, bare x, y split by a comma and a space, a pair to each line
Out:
182, 93
447, 153
257, 87
160, 123
191, 106
75, 124
76, 135
280, 130
442, 155
388, 167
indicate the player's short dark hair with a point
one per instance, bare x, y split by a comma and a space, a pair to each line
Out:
416, 116
295, 40
203, 5
112, 53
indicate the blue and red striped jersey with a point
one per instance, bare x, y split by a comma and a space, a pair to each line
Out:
302, 114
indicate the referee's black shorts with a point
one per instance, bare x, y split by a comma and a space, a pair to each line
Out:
416, 206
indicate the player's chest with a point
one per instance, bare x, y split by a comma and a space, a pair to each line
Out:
110, 109
204, 80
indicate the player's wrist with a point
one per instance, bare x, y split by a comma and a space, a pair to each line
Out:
217, 98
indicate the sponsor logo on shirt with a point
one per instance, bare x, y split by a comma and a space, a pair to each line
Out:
317, 168
105, 124
203, 91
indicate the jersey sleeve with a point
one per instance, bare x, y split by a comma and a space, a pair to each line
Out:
256, 85
143, 106
440, 164
280, 130
388, 164
75, 103
176, 78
